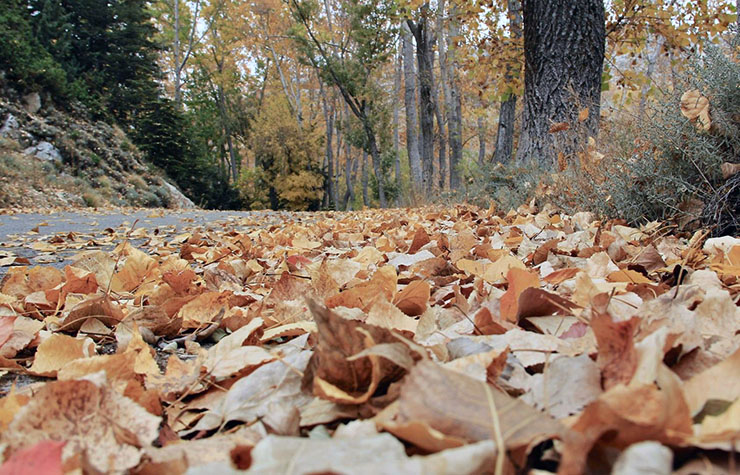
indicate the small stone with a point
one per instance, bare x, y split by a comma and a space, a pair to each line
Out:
32, 102
44, 151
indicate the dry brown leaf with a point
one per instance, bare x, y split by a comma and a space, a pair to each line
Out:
100, 307
421, 238
234, 353
274, 389
10, 405
94, 420
57, 350
629, 414
203, 310
519, 280
729, 169
413, 299
155, 319
334, 377
364, 295
535, 302
385, 314
704, 386
460, 407
695, 106
559, 127
617, 357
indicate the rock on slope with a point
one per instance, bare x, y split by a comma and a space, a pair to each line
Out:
50, 158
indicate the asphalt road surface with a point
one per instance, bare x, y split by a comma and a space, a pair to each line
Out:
19, 231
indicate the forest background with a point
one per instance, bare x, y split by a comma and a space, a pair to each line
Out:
340, 104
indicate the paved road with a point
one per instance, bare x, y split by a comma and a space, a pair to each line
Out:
19, 231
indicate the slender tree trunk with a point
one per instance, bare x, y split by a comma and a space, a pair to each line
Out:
330, 191
377, 166
505, 136
233, 159
409, 99
424, 58
349, 196
365, 179
564, 44
337, 155
396, 138
507, 113
176, 48
652, 61
442, 95
481, 140
454, 122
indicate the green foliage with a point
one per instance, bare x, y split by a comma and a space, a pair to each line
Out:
22, 56
287, 157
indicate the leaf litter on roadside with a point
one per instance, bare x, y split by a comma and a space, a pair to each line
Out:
434, 340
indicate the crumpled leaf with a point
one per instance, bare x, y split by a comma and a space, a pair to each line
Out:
93, 419
461, 407
233, 353
57, 350
696, 106
330, 372
274, 388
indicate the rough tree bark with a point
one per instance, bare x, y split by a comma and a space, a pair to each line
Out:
507, 113
409, 100
505, 135
424, 57
564, 55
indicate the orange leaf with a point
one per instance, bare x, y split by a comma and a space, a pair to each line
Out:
421, 238
627, 275
519, 280
560, 276
559, 127
412, 300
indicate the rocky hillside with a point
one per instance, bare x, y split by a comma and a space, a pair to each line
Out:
51, 158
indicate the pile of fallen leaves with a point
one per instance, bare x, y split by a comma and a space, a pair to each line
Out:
438, 340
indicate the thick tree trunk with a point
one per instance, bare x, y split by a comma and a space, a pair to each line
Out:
424, 58
507, 113
409, 100
564, 55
